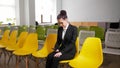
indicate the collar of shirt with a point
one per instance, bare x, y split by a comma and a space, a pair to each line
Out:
66, 27
64, 31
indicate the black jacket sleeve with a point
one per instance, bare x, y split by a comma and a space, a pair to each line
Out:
59, 40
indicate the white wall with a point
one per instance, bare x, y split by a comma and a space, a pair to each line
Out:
92, 10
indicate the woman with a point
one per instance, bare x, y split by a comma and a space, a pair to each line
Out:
65, 46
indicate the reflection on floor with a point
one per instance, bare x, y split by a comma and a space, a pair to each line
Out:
110, 61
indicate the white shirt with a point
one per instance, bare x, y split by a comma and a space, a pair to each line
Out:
64, 31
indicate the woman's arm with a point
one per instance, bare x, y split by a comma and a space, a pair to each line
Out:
58, 40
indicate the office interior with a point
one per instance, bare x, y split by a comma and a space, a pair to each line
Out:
93, 18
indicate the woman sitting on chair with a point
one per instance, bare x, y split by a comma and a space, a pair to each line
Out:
65, 46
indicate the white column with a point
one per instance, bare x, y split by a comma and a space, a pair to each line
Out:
30, 12
20, 14
59, 6
25, 12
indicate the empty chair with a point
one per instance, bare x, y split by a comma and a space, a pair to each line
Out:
99, 31
8, 41
22, 28
18, 45
41, 34
20, 42
83, 28
83, 34
112, 39
112, 42
47, 48
51, 31
90, 56
30, 45
12, 39
5, 37
32, 29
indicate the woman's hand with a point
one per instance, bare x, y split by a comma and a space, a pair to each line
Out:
58, 54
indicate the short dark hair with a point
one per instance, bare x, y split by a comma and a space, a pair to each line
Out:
63, 15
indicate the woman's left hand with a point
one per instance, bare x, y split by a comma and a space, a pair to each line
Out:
58, 54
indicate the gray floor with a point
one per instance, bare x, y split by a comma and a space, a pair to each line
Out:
110, 61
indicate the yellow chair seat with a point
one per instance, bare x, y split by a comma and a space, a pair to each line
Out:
1, 42
40, 54
21, 52
64, 61
82, 61
3, 45
12, 48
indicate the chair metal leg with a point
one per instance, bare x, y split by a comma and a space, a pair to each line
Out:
0, 53
27, 61
37, 63
9, 59
4, 58
17, 61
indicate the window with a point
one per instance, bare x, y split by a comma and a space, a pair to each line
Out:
45, 11
7, 11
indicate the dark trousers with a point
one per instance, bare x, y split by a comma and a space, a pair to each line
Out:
53, 62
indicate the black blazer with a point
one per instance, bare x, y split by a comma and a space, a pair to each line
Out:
67, 46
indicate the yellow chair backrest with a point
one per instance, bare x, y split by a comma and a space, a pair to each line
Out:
90, 56
48, 45
21, 39
5, 35
50, 42
92, 49
13, 37
77, 47
31, 42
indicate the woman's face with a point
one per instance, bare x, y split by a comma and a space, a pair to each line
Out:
62, 22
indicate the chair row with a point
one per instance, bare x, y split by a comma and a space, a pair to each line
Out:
24, 45
27, 44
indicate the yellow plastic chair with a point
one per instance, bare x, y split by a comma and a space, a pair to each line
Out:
77, 52
30, 45
11, 41
19, 43
90, 56
5, 37
47, 48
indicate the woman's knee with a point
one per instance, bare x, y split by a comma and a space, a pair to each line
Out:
56, 59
